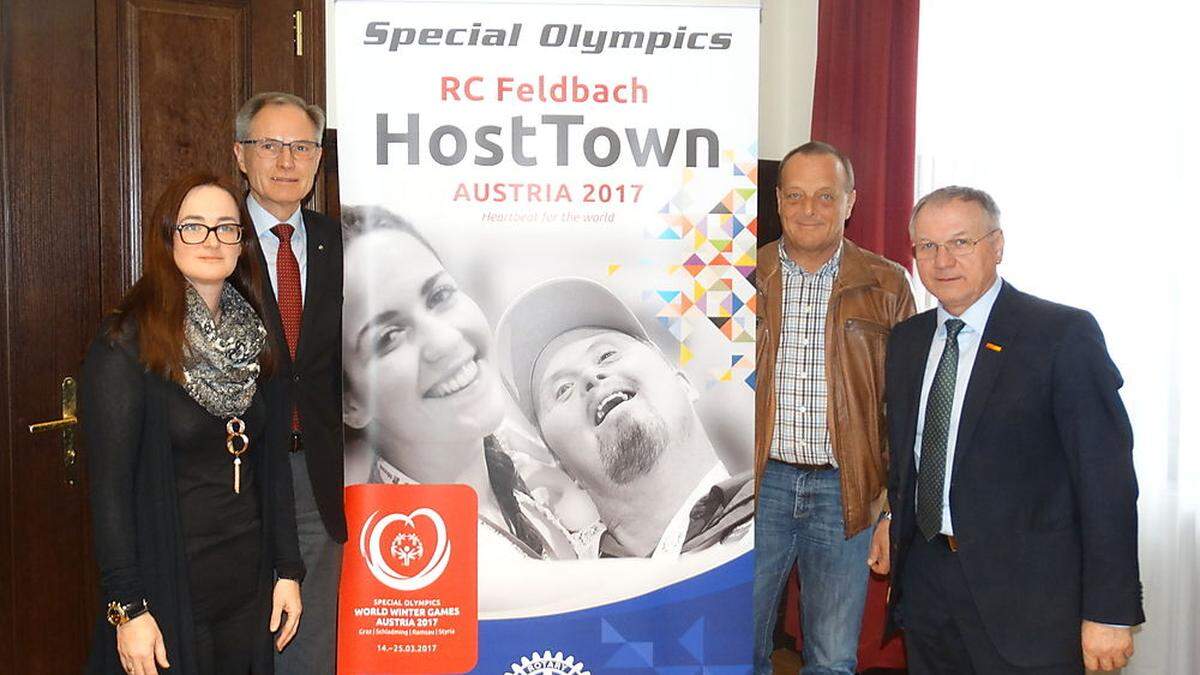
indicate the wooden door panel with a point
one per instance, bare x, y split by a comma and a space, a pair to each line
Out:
51, 292
103, 101
178, 72
186, 72
280, 68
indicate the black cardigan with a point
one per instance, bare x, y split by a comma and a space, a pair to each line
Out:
135, 508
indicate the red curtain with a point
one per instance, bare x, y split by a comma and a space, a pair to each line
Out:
865, 104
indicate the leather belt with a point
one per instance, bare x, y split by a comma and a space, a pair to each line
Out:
815, 467
947, 540
297, 442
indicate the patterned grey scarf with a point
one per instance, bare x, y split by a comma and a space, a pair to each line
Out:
221, 360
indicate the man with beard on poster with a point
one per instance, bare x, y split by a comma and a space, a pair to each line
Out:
619, 417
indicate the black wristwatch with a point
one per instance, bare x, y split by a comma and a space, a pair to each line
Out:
119, 614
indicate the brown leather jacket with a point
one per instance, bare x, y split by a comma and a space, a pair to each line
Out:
870, 295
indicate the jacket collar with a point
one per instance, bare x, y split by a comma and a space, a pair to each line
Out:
855, 270
1003, 326
318, 269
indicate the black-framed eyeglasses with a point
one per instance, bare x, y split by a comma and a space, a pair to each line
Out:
270, 148
198, 233
928, 250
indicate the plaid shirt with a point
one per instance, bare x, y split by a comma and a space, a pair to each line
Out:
801, 435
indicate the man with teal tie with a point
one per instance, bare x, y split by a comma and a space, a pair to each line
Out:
1014, 499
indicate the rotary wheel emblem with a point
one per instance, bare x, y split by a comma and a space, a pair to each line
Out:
548, 664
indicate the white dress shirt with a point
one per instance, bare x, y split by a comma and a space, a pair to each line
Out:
975, 319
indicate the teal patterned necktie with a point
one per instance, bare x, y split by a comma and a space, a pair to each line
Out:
931, 477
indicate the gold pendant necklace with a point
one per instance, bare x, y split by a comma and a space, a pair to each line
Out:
237, 443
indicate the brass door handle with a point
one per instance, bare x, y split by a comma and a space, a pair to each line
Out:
68, 418
53, 424
65, 425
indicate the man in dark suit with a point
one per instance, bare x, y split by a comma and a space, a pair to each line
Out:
278, 147
1014, 532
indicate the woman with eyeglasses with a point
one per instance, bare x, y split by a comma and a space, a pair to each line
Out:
191, 497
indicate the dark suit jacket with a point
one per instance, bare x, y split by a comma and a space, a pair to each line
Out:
314, 381
1042, 490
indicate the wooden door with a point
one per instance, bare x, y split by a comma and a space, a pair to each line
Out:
172, 75
103, 102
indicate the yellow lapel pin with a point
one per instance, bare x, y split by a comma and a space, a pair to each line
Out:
994, 347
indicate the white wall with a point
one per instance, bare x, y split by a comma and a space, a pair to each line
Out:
788, 67
787, 62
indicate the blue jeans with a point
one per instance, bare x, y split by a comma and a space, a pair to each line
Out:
799, 520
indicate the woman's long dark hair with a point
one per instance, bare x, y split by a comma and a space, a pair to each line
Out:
156, 304
506, 482
502, 473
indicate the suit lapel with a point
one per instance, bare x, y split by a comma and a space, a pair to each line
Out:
317, 269
1002, 327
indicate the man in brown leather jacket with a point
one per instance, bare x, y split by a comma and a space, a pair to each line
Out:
825, 309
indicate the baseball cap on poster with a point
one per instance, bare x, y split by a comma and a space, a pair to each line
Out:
546, 311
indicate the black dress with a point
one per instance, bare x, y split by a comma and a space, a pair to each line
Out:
222, 530
166, 524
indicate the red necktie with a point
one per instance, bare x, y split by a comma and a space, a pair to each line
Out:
291, 304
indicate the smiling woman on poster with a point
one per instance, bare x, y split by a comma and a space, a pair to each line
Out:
421, 388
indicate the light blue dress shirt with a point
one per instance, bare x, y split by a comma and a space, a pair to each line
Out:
263, 222
975, 318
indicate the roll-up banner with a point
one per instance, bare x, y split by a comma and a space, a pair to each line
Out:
549, 212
